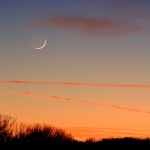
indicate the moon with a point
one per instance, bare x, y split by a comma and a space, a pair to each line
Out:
38, 41
41, 46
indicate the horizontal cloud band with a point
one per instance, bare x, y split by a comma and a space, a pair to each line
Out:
72, 100
91, 26
77, 84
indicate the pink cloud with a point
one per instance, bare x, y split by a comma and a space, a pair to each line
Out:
88, 26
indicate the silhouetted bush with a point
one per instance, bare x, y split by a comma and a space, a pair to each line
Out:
13, 134
45, 133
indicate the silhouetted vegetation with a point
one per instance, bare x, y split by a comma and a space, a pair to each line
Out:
21, 136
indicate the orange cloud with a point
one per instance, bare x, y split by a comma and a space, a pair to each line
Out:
77, 84
90, 26
77, 101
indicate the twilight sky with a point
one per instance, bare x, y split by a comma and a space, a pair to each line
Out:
93, 76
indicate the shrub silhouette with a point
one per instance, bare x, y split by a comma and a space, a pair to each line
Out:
45, 133
12, 133
90, 140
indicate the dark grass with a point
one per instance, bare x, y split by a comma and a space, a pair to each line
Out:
36, 136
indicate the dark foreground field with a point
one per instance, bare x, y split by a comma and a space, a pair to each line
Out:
21, 136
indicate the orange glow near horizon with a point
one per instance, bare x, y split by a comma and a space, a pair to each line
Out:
101, 133
113, 119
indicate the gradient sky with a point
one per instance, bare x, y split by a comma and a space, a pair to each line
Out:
93, 76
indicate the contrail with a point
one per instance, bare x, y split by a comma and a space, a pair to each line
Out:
77, 84
77, 101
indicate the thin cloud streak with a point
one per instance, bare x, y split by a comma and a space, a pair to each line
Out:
93, 132
72, 100
101, 131
100, 128
77, 84
90, 26
90, 131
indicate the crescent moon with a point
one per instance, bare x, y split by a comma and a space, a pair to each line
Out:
41, 46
